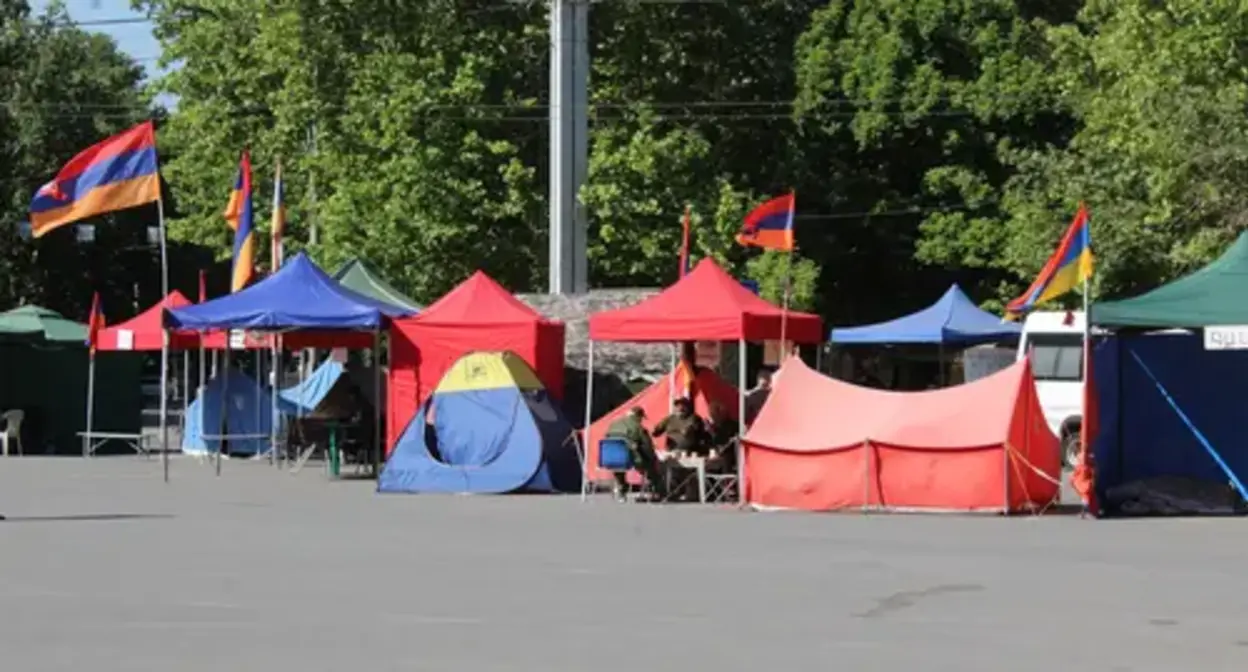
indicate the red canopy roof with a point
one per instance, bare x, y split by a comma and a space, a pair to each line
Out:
705, 305
144, 332
478, 300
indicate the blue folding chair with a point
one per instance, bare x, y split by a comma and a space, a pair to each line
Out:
615, 457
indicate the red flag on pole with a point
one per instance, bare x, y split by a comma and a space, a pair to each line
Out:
94, 323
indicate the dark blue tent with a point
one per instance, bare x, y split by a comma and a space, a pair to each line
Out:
1169, 409
298, 296
954, 319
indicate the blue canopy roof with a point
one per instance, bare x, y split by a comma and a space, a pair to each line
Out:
298, 296
952, 319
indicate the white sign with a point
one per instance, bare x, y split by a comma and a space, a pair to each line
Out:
125, 339
1226, 338
238, 339
708, 354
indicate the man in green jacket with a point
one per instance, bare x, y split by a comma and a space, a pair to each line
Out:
630, 429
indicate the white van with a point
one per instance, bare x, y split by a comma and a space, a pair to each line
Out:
1055, 341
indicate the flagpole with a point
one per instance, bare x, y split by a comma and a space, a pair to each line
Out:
788, 270
164, 346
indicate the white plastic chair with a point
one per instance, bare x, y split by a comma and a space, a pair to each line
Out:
12, 431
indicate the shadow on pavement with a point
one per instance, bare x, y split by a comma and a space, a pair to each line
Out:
84, 517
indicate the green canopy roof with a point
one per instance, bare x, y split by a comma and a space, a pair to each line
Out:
35, 322
1216, 295
357, 276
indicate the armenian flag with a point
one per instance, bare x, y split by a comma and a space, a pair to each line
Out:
278, 225
238, 212
118, 173
770, 225
1069, 267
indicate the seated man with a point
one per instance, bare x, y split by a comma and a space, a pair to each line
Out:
686, 433
686, 436
630, 430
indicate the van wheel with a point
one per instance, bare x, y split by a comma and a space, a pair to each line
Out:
1070, 449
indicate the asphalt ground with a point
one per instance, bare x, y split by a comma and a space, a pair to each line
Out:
103, 567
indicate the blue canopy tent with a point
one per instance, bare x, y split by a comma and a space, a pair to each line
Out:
954, 320
299, 297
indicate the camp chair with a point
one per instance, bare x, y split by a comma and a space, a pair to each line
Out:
723, 487
12, 431
615, 457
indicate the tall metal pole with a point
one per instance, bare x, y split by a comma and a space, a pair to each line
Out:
569, 145
164, 344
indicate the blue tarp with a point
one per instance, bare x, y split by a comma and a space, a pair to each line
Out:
251, 409
485, 441
298, 296
954, 319
1140, 435
307, 395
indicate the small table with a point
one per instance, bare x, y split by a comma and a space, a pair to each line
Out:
91, 442
698, 464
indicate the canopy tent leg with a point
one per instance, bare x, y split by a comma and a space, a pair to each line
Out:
186, 386
224, 428
589, 420
819, 358
164, 403
275, 418
741, 421
377, 445
86, 438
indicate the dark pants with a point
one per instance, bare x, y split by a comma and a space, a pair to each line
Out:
648, 464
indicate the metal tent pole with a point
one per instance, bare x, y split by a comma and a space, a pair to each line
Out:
589, 420
86, 439
273, 357
377, 427
741, 421
164, 403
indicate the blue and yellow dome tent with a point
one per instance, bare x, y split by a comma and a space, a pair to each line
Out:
489, 427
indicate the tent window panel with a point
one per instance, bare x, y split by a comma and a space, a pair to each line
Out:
1057, 357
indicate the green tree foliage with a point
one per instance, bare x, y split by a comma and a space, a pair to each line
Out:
61, 90
912, 106
1161, 150
928, 141
420, 124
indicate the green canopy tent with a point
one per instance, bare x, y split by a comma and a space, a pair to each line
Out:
359, 277
1212, 296
43, 372
41, 325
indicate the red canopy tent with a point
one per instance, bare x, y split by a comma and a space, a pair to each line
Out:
479, 314
707, 304
821, 444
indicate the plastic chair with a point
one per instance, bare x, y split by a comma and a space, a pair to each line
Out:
12, 431
615, 457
